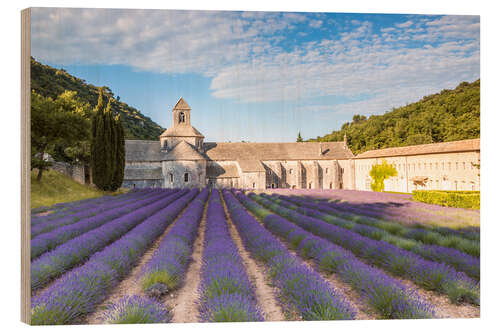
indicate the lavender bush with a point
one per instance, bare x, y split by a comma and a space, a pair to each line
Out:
79, 292
226, 292
50, 240
302, 290
167, 268
387, 295
135, 310
77, 250
87, 211
431, 275
460, 261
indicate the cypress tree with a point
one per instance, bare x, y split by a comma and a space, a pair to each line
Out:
120, 154
109, 148
97, 152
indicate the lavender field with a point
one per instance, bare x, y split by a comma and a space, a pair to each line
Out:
190, 255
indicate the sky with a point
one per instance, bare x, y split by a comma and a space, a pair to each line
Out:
260, 76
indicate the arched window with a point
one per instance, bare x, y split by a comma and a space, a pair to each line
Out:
182, 117
186, 177
171, 176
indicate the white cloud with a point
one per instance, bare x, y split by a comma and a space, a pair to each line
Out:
315, 23
241, 55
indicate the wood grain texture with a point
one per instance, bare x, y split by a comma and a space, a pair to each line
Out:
25, 164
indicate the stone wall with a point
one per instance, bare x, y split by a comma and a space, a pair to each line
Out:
446, 171
142, 183
175, 174
76, 172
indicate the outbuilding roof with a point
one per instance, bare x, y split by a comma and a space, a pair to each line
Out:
269, 151
431, 148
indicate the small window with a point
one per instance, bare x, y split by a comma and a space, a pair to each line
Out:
326, 171
272, 185
457, 165
310, 185
437, 165
331, 186
171, 176
186, 177
464, 165
182, 117
253, 185
291, 170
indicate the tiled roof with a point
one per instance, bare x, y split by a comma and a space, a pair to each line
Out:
182, 105
183, 130
249, 151
143, 150
183, 151
142, 173
431, 148
215, 170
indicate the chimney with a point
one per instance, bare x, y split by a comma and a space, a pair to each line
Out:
345, 140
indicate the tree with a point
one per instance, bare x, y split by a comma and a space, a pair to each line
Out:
379, 173
120, 154
299, 138
98, 151
107, 147
53, 122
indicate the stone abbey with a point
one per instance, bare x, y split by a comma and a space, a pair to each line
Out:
182, 159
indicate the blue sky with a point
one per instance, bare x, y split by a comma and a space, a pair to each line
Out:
260, 76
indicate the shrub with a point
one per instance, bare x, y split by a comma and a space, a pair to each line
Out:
458, 199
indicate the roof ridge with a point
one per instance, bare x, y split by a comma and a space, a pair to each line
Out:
181, 105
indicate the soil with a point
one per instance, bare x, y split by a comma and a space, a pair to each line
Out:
130, 286
266, 294
444, 308
363, 311
183, 302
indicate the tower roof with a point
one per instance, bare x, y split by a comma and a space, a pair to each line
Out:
181, 105
182, 130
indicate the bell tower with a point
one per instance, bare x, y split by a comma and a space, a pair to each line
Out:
181, 113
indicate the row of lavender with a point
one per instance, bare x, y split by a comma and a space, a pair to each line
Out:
411, 216
430, 275
441, 236
75, 251
226, 293
459, 260
81, 290
387, 296
163, 273
50, 240
86, 212
69, 208
302, 290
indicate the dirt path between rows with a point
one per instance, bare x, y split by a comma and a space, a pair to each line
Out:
363, 310
444, 308
183, 302
131, 284
266, 294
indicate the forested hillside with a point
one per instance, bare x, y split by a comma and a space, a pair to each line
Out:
50, 82
447, 116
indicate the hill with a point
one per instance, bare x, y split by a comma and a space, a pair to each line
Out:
55, 187
446, 116
51, 82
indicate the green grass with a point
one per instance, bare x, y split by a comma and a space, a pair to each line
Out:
57, 188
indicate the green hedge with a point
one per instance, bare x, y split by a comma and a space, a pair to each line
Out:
459, 199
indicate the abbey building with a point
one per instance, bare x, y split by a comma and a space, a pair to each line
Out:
182, 159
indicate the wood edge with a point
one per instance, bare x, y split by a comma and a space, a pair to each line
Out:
25, 164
